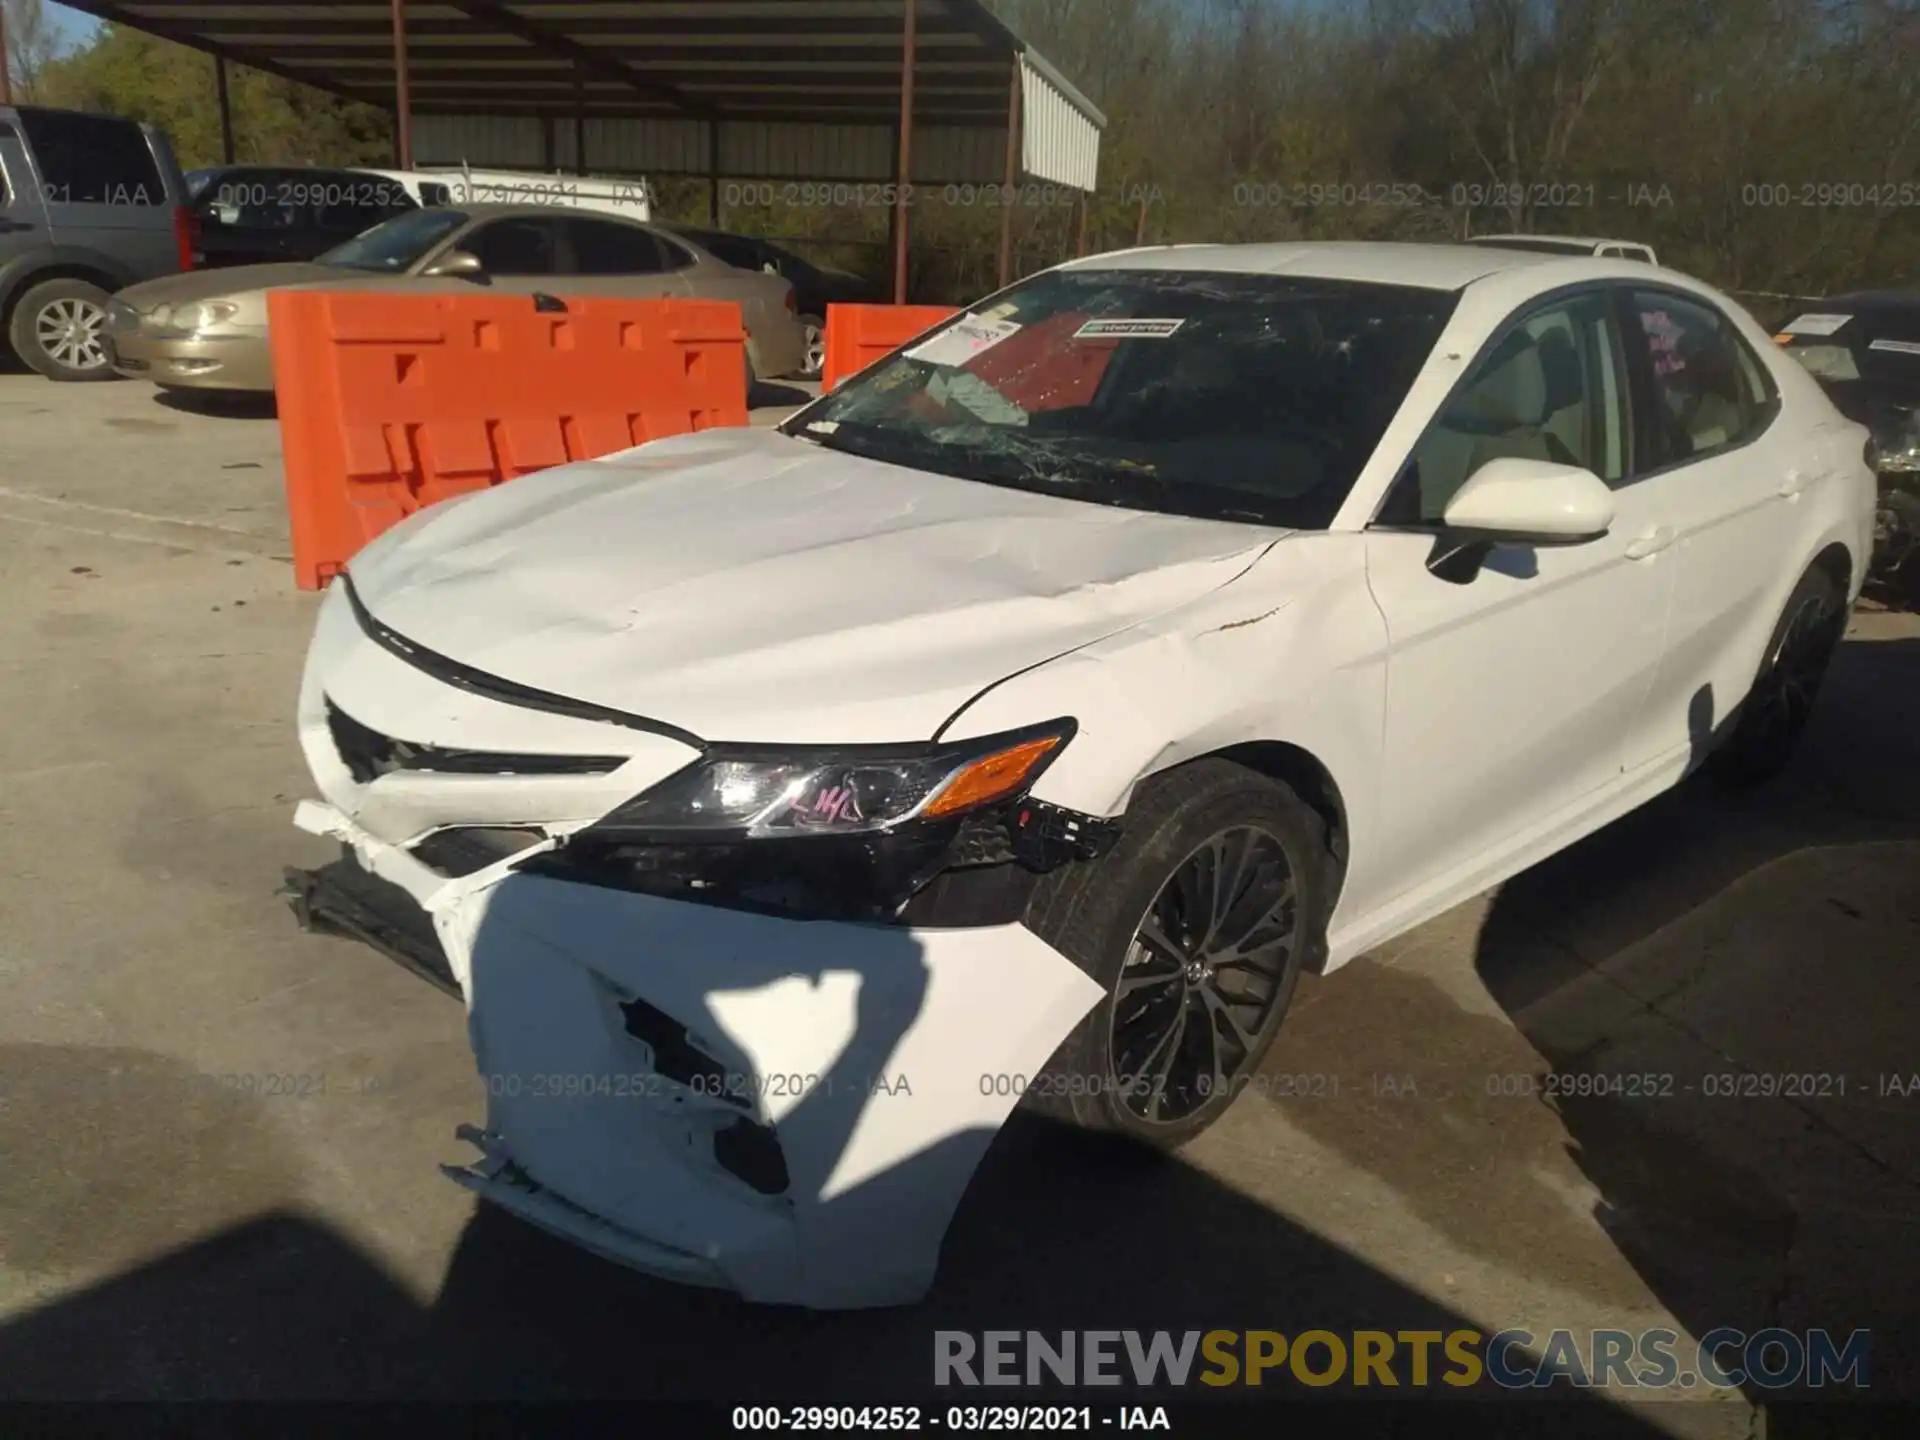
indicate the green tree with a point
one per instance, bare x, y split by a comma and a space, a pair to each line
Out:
275, 121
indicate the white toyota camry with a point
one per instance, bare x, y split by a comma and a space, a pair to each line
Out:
1023, 717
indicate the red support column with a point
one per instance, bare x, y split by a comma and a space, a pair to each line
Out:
904, 178
226, 109
1011, 188
402, 98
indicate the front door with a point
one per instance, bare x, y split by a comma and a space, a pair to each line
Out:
1515, 696
23, 218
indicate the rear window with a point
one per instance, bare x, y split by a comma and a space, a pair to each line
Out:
92, 159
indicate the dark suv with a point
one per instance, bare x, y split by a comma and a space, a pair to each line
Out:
88, 203
264, 214
1864, 349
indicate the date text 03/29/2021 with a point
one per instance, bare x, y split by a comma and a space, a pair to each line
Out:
960, 1419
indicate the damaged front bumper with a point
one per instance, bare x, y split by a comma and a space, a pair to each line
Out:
787, 1109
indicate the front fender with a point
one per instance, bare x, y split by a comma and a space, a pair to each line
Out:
1294, 652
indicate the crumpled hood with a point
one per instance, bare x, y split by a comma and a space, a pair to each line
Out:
745, 585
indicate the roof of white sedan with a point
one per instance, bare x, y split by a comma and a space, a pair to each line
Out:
1389, 262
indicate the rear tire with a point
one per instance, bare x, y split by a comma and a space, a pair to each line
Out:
1776, 711
59, 329
1197, 925
815, 358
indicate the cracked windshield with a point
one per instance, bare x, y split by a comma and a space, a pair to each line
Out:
1234, 397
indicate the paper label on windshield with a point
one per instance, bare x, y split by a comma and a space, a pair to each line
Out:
1815, 324
1127, 329
963, 340
1899, 347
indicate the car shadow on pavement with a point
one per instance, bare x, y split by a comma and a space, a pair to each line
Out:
282, 1307
765, 394
1722, 988
220, 404
212, 1282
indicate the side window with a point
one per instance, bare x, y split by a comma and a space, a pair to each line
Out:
92, 159
6, 188
1550, 389
732, 250
1892, 355
1709, 391
253, 200
517, 247
434, 193
602, 247
678, 256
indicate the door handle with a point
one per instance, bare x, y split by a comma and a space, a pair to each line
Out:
1651, 543
8, 225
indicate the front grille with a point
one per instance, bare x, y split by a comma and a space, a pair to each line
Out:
462, 849
368, 755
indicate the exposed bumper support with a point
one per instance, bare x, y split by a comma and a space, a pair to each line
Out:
788, 1109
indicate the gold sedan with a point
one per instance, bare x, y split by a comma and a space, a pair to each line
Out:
207, 329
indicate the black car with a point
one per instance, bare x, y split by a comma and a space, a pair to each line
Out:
814, 286
262, 214
1864, 349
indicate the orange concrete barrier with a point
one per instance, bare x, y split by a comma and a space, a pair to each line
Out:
858, 335
391, 402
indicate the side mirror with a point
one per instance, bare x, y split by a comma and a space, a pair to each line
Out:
1531, 502
1513, 501
462, 264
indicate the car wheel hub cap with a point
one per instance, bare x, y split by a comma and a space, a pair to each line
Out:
1203, 976
69, 331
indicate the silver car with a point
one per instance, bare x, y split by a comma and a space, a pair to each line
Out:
207, 330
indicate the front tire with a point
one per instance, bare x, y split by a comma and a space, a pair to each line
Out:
1197, 925
1775, 713
59, 329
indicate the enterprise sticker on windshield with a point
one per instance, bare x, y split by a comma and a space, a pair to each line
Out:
1815, 324
1127, 329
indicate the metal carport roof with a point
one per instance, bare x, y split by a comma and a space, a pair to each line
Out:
808, 73
931, 91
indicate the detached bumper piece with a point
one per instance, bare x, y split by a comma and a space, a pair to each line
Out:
497, 1178
343, 899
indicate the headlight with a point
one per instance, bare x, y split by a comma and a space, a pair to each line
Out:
160, 317
752, 794
204, 315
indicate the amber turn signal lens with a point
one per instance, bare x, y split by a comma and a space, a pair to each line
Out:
991, 777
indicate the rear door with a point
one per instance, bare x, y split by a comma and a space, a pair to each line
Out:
1729, 479
104, 190
23, 219
605, 257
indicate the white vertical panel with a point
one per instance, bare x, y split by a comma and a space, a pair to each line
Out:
1058, 143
